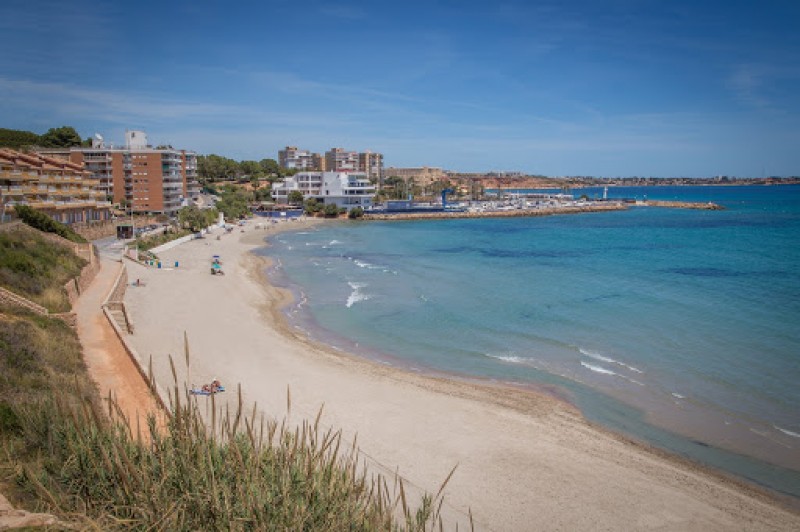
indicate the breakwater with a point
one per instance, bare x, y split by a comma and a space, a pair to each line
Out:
709, 206
516, 213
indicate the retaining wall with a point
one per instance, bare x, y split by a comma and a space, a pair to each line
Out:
7, 297
171, 244
115, 301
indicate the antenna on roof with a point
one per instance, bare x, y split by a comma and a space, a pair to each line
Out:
97, 141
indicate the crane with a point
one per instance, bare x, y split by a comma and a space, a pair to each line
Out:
445, 192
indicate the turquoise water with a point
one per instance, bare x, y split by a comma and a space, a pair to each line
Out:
677, 327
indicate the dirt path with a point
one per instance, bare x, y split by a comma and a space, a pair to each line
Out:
108, 361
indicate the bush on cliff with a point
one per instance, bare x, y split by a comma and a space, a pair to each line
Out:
43, 222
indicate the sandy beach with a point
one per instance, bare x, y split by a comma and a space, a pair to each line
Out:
525, 461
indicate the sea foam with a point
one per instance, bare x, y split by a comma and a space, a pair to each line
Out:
604, 371
787, 432
603, 358
598, 369
513, 359
356, 295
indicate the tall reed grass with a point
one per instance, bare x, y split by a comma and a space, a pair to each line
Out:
236, 471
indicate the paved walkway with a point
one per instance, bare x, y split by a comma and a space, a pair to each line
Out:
108, 362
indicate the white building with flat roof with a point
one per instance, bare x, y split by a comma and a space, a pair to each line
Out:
345, 189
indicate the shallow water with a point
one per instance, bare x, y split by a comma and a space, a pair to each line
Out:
678, 327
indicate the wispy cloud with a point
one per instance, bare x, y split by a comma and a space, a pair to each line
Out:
767, 87
747, 82
348, 12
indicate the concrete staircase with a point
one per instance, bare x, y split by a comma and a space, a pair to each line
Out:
119, 318
116, 309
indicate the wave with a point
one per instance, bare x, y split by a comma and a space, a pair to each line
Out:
679, 396
334, 242
365, 264
598, 369
604, 371
514, 359
356, 295
787, 432
369, 266
603, 358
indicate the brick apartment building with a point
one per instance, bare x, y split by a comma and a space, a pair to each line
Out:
144, 179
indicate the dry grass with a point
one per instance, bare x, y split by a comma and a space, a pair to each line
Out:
236, 471
37, 269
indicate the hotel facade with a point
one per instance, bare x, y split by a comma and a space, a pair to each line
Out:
61, 189
146, 180
344, 189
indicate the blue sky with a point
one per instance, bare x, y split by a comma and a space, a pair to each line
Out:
607, 88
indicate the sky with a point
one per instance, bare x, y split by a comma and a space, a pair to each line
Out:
605, 87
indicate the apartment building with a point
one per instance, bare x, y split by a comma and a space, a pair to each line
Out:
146, 180
345, 189
341, 160
64, 190
293, 158
335, 160
371, 163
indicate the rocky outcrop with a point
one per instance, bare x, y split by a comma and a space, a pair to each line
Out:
11, 518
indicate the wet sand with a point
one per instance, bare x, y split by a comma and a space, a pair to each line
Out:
525, 461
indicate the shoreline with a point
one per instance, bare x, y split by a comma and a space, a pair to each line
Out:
525, 458
306, 330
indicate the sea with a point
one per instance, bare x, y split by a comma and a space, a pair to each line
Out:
679, 328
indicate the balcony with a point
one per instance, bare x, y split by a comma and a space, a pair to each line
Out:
17, 175
41, 204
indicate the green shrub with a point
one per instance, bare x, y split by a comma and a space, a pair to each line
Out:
9, 421
312, 206
331, 210
355, 212
43, 222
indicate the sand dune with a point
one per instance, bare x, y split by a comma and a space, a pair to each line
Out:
525, 461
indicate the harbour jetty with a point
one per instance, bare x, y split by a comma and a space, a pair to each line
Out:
510, 213
709, 206
539, 211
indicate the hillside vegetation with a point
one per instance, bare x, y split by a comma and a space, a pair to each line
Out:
37, 269
43, 222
